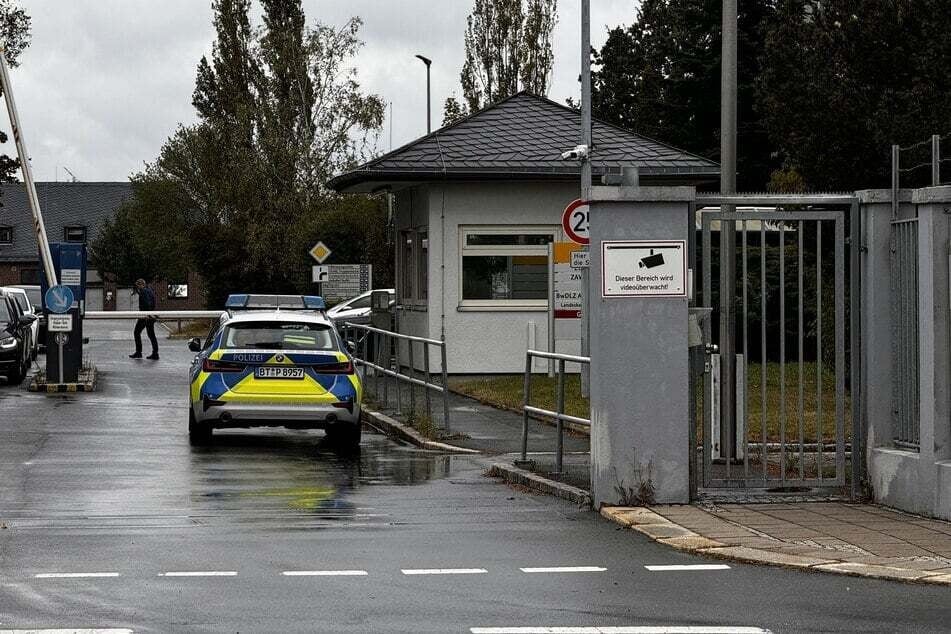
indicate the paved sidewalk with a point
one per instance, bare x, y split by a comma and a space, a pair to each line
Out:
858, 539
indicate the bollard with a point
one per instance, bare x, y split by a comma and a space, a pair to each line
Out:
527, 397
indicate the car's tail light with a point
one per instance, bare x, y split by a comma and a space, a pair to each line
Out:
344, 367
211, 365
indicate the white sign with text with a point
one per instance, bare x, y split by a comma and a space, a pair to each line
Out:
644, 268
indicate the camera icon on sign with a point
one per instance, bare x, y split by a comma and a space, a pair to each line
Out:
651, 261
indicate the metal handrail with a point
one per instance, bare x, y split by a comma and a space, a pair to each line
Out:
558, 415
394, 337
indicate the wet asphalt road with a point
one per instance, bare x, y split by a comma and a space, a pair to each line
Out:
107, 484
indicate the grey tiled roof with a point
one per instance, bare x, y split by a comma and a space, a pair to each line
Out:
524, 136
63, 205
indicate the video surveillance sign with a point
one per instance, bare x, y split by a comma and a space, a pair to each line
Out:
644, 268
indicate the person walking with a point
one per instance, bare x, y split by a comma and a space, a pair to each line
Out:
146, 302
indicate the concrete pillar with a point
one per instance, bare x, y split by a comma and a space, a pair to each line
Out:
639, 357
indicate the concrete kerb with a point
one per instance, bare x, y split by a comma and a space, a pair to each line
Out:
395, 429
664, 531
514, 475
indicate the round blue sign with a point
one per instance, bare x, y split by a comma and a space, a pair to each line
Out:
59, 299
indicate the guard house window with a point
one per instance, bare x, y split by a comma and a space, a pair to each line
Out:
29, 277
6, 235
505, 266
74, 234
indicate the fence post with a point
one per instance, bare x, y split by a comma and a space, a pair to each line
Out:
429, 405
935, 160
527, 396
396, 376
445, 387
896, 180
559, 451
412, 375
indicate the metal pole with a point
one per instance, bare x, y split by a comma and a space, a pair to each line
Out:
560, 424
935, 160
585, 180
551, 308
896, 157
527, 395
428, 63
445, 388
728, 232
41, 240
411, 374
429, 404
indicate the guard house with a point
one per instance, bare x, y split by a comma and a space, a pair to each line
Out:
476, 205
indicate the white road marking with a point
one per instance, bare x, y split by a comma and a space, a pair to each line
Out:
445, 571
688, 567
197, 573
628, 629
565, 569
74, 575
325, 573
71, 630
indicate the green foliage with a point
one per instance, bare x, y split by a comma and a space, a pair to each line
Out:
661, 77
452, 111
242, 191
843, 80
508, 48
15, 35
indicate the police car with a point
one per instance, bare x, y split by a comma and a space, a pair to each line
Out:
274, 360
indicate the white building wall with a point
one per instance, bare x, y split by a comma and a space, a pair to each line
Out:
486, 340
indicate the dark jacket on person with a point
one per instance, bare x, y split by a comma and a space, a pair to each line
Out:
146, 299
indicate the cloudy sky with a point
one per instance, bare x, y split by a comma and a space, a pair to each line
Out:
105, 82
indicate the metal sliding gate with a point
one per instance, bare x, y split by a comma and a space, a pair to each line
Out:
778, 416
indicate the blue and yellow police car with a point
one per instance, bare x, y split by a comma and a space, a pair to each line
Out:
274, 360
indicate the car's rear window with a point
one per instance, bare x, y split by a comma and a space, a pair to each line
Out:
5, 317
279, 335
21, 301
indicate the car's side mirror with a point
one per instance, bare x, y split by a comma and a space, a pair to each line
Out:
27, 320
194, 344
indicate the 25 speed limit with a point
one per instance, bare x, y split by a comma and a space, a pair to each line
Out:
574, 221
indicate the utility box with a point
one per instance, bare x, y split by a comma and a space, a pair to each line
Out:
64, 330
381, 311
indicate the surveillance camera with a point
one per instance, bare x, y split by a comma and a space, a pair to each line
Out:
578, 153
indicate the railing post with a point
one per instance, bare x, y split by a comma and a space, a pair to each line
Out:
412, 375
935, 160
377, 359
387, 359
445, 387
396, 376
526, 399
429, 405
560, 448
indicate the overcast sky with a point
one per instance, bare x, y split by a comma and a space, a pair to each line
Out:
105, 82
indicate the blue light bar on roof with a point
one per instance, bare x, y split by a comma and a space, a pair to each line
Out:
245, 301
236, 301
313, 302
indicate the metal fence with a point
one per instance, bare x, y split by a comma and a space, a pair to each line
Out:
919, 165
391, 361
558, 415
905, 387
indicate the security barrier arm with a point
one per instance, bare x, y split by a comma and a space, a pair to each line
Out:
38, 225
160, 315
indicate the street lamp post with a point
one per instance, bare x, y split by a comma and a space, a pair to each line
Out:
428, 62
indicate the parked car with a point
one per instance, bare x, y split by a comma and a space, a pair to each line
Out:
36, 298
357, 309
26, 304
265, 363
15, 338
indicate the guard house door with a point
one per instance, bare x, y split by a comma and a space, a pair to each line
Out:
790, 398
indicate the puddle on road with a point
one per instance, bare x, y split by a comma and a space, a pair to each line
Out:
301, 472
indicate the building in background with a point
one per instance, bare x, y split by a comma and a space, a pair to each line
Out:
75, 212
477, 204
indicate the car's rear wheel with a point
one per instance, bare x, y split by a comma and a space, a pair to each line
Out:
17, 374
198, 433
345, 435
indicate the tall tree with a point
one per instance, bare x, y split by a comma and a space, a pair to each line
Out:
661, 77
280, 110
508, 48
845, 79
15, 35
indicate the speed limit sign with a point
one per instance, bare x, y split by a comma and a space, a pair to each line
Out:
574, 221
